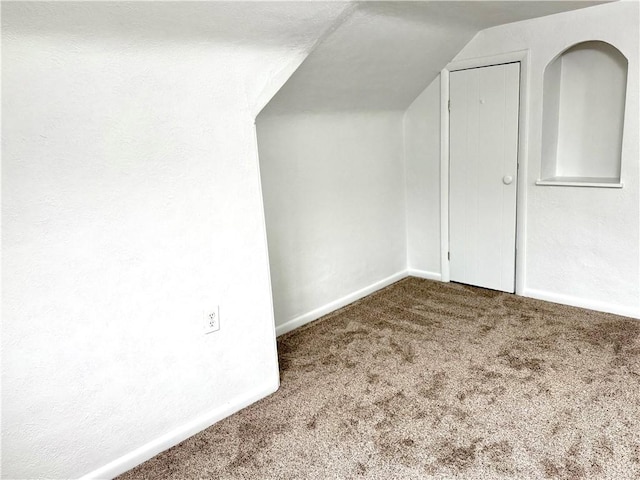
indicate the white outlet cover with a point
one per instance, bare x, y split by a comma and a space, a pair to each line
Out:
211, 319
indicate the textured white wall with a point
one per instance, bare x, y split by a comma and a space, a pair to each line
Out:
422, 157
130, 203
582, 244
377, 57
333, 187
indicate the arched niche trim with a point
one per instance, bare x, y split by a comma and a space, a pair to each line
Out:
583, 116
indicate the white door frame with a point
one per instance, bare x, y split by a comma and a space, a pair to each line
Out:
521, 56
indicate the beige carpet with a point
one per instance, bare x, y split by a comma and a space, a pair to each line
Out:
432, 380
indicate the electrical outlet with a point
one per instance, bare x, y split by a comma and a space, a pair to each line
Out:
212, 320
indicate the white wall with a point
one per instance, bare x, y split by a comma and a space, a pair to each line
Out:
333, 188
131, 202
376, 58
582, 244
552, 81
422, 156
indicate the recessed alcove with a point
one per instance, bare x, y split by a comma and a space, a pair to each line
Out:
583, 116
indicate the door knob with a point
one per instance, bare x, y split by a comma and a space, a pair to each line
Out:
507, 179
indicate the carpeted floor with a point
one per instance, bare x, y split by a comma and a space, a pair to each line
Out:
431, 380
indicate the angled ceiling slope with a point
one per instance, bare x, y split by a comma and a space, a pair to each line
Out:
279, 33
381, 55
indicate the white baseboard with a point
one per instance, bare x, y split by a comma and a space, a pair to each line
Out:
172, 438
582, 302
413, 272
336, 304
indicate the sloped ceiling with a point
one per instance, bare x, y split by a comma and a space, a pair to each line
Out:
370, 55
381, 55
280, 34
261, 23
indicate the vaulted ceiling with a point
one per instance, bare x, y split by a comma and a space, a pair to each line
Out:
339, 55
267, 23
381, 55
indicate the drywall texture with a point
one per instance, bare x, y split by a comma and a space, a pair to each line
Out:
581, 243
333, 187
422, 158
383, 54
130, 203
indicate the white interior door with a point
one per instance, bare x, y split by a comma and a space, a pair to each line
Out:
483, 136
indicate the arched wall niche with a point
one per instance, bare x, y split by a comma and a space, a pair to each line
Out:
583, 116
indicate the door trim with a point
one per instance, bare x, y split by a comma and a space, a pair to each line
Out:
522, 57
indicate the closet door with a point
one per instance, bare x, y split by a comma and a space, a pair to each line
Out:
483, 175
